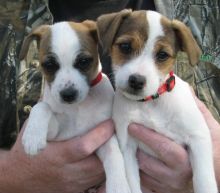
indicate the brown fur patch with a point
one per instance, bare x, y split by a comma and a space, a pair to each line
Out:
108, 25
177, 37
43, 36
133, 32
186, 41
166, 44
44, 53
87, 34
36, 34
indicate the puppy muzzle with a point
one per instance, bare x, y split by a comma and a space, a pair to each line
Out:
69, 95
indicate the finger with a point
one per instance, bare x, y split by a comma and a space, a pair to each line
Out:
173, 154
102, 189
210, 120
146, 190
162, 175
154, 167
91, 165
83, 146
212, 123
151, 184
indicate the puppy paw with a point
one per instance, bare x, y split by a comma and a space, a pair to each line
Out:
33, 142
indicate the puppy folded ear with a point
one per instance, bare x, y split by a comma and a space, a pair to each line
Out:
36, 34
108, 25
92, 27
186, 41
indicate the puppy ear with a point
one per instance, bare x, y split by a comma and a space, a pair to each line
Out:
92, 27
187, 42
108, 26
35, 34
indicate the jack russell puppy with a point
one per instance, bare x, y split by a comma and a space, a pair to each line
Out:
143, 46
76, 96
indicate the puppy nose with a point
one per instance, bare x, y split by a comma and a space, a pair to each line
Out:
69, 94
136, 81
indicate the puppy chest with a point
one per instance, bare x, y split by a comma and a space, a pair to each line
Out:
166, 123
163, 123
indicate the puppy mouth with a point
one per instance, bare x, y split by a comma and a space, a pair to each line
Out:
132, 94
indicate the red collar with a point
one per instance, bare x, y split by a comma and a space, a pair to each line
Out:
165, 87
97, 79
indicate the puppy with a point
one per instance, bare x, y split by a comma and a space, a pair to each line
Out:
75, 91
143, 46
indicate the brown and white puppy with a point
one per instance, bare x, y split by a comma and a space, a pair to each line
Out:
143, 46
74, 91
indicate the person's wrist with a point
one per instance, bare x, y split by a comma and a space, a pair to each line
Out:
4, 170
10, 175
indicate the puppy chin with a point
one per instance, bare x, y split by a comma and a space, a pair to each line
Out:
132, 96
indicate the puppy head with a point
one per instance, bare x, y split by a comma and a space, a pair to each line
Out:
143, 46
68, 57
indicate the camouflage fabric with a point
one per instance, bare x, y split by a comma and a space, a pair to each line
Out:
19, 82
203, 17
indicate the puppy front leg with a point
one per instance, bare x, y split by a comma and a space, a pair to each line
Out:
113, 162
201, 157
131, 166
35, 134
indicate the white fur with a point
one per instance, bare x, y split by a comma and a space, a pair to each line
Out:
144, 63
67, 47
174, 114
51, 119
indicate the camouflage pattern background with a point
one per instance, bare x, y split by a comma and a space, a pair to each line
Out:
203, 18
20, 82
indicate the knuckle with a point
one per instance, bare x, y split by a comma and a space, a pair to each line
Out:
178, 185
164, 148
185, 171
180, 180
84, 149
182, 157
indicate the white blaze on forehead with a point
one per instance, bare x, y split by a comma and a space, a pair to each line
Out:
64, 43
155, 30
144, 64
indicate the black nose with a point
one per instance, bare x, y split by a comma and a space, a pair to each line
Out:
136, 81
69, 94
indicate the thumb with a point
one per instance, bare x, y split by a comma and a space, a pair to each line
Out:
82, 146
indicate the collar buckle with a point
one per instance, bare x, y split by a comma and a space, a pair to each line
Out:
155, 96
170, 83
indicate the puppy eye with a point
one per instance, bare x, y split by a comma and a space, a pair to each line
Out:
83, 63
125, 47
50, 66
162, 56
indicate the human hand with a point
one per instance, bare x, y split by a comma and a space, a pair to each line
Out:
67, 167
214, 127
170, 172
152, 167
